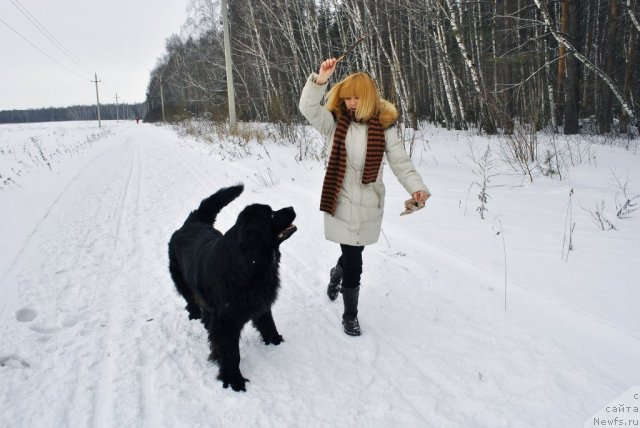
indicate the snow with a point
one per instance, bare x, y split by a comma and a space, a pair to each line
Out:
94, 333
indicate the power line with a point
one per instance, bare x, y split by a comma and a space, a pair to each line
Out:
41, 51
54, 41
23, 10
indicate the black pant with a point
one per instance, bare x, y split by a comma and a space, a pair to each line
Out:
351, 263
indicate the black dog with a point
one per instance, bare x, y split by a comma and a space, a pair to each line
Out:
230, 279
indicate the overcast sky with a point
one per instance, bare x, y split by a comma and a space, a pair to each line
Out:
121, 40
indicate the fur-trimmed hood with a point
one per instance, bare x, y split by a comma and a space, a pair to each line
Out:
388, 114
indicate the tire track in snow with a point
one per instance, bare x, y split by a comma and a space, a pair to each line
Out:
104, 400
105, 298
135, 167
123, 369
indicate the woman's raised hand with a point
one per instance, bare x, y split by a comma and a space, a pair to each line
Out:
327, 68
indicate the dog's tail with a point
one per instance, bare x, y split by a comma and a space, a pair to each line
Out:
210, 207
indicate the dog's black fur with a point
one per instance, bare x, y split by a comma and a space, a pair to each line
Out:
230, 279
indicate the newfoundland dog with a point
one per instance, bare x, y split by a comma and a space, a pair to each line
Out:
232, 278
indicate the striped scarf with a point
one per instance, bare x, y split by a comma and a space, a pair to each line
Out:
337, 165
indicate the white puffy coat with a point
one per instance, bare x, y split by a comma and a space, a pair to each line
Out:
359, 209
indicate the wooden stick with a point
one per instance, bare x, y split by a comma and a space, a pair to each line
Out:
341, 57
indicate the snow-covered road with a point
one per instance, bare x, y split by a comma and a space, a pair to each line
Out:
94, 334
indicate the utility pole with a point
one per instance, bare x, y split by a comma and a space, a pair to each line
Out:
229, 66
97, 99
117, 116
161, 99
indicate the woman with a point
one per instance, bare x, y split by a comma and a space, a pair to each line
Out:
357, 125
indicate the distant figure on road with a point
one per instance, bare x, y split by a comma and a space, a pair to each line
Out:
137, 118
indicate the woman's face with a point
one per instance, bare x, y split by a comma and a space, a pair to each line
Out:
352, 102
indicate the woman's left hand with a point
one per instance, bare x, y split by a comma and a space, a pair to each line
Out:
420, 196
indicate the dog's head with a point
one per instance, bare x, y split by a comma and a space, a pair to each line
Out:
262, 228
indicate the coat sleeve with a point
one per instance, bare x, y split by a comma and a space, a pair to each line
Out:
310, 107
401, 164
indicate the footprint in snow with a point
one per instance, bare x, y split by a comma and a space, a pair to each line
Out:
13, 362
26, 315
395, 254
44, 329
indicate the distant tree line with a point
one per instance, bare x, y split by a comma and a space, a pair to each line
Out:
458, 63
60, 114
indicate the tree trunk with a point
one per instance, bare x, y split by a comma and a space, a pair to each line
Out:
552, 98
572, 81
562, 51
508, 108
441, 60
629, 81
605, 116
632, 15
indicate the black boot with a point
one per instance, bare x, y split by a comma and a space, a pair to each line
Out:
335, 279
350, 317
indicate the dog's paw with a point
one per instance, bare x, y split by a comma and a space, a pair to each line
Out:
237, 383
275, 340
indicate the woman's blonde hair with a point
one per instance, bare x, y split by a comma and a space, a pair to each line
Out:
359, 85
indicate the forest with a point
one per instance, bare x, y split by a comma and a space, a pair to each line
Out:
566, 66
79, 112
